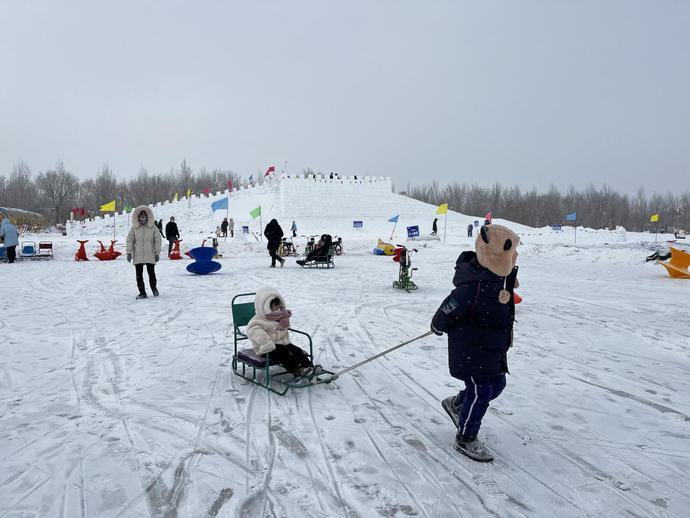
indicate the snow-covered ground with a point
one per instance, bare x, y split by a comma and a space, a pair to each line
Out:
114, 407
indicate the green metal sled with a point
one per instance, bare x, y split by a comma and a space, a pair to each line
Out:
404, 281
262, 370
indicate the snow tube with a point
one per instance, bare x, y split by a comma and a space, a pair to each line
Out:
378, 251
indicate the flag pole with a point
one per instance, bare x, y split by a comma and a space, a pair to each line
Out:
393, 232
445, 224
261, 224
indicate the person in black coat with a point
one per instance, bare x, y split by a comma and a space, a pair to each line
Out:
320, 252
434, 227
274, 234
172, 234
470, 229
478, 317
224, 227
159, 225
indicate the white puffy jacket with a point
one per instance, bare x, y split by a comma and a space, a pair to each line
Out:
143, 241
263, 333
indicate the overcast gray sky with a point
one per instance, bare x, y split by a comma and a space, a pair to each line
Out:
525, 92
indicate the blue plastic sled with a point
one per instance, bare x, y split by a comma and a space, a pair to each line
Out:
203, 263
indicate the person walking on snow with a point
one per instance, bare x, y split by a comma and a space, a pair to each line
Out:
231, 226
478, 317
224, 228
434, 227
159, 224
268, 333
470, 228
274, 234
144, 248
10, 237
294, 228
172, 234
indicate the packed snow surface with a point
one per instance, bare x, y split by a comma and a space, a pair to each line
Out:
115, 407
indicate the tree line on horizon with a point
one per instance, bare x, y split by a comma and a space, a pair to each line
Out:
596, 207
54, 193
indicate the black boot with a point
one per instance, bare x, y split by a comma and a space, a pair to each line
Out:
154, 291
142, 295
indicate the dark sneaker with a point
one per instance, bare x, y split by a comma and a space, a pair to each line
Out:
448, 405
155, 292
142, 296
273, 266
305, 372
473, 448
301, 262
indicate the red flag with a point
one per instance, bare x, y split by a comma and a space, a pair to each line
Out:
82, 212
270, 170
488, 217
230, 184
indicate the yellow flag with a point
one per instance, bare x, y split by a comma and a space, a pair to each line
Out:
654, 218
175, 196
108, 207
442, 209
189, 193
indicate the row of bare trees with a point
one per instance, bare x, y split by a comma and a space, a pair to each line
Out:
596, 207
57, 191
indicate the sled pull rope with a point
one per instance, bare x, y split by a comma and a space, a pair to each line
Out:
383, 353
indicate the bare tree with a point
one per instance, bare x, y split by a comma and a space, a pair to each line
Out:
58, 188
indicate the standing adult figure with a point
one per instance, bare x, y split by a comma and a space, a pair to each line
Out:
274, 234
231, 227
434, 227
172, 234
10, 236
470, 229
224, 227
144, 248
294, 228
159, 224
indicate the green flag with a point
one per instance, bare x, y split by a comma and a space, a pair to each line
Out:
256, 212
128, 209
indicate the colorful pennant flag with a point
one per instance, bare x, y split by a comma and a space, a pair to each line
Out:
256, 212
654, 218
175, 198
394, 219
489, 217
108, 207
128, 209
189, 193
442, 209
230, 184
270, 170
220, 204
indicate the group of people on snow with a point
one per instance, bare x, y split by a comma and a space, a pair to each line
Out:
477, 315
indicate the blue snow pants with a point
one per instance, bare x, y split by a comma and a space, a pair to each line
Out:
473, 402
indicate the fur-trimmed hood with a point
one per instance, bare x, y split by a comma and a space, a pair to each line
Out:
135, 216
263, 298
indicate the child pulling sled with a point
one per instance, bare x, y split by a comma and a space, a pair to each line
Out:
478, 317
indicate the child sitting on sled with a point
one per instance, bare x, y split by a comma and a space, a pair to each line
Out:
478, 317
268, 333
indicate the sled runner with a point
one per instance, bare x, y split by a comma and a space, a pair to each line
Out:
404, 282
678, 265
263, 370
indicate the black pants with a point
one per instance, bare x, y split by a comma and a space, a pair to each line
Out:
151, 269
171, 242
291, 357
320, 255
11, 252
274, 256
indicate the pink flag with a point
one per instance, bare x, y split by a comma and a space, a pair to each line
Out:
230, 184
270, 170
488, 217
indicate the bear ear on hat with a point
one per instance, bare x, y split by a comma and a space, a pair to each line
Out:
485, 236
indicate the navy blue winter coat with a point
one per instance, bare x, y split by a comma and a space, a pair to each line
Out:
479, 327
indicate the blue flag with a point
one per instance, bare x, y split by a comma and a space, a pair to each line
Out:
220, 204
571, 217
394, 219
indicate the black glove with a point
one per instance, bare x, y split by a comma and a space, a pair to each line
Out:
129, 258
158, 257
436, 331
